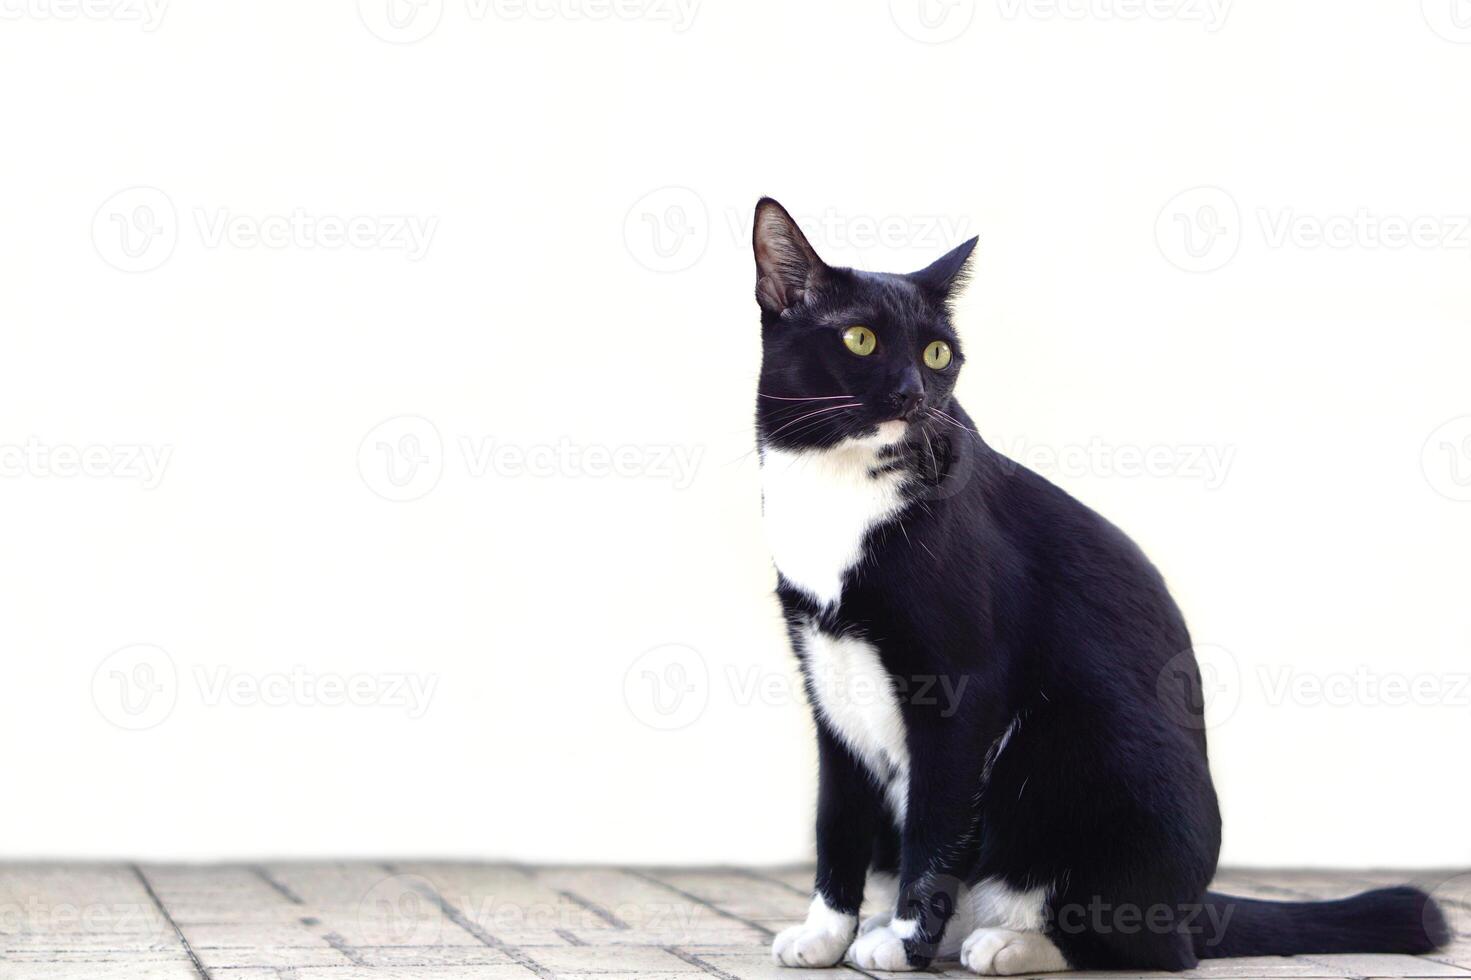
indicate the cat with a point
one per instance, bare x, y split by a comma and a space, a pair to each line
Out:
1009, 715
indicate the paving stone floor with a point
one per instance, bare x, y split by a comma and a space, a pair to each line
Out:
436, 921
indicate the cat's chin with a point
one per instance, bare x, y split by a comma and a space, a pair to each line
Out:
882, 434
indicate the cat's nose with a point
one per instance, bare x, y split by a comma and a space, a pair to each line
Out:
908, 402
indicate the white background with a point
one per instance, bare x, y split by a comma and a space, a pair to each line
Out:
582, 284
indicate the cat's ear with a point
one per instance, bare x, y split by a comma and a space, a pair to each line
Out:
947, 273
787, 267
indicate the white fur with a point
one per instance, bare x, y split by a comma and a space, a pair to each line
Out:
856, 697
992, 904
990, 908
880, 892
820, 941
819, 505
883, 948
1007, 952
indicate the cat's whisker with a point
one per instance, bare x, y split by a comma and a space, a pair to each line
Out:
954, 421
810, 398
820, 411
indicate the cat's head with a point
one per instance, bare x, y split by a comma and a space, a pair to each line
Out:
848, 354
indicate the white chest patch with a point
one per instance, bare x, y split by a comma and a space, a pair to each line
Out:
820, 505
855, 695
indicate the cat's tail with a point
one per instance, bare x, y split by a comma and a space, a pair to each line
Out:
1387, 920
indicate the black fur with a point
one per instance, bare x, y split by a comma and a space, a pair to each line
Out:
1039, 615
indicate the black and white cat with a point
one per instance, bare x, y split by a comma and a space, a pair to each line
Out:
1008, 712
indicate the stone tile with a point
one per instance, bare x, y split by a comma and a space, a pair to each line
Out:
759, 966
110, 969
594, 959
748, 897
1386, 965
1265, 967
378, 973
448, 921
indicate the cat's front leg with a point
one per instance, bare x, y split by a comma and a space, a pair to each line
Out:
938, 850
848, 814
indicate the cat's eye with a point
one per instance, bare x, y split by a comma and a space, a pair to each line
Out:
860, 340
937, 355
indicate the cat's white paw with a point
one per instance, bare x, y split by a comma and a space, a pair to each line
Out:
807, 946
820, 941
875, 921
1004, 953
881, 948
